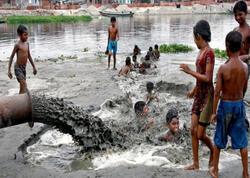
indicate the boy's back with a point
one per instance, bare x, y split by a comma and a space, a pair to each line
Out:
234, 76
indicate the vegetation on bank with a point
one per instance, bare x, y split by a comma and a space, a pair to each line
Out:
47, 19
220, 53
175, 48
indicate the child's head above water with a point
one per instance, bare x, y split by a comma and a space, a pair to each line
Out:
128, 61
22, 32
201, 32
156, 46
150, 48
150, 86
141, 108
233, 42
172, 120
136, 47
240, 12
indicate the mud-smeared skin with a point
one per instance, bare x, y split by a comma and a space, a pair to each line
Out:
87, 130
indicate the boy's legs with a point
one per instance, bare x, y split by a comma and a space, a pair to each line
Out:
109, 57
201, 134
23, 86
215, 170
244, 158
195, 142
114, 56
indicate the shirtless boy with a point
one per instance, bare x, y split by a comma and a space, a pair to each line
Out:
240, 14
230, 88
22, 50
113, 37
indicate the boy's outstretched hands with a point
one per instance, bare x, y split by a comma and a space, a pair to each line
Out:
191, 93
185, 68
10, 74
212, 120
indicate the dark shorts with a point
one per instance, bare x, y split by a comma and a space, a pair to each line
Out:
231, 121
20, 72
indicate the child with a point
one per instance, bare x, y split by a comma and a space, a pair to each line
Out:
22, 50
230, 88
150, 53
136, 64
125, 70
136, 51
156, 52
172, 122
113, 37
141, 110
151, 94
143, 68
203, 91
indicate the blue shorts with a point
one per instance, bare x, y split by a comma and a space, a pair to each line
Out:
231, 121
112, 46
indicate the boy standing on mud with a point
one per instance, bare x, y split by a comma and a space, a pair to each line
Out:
240, 14
202, 93
230, 88
21, 49
113, 37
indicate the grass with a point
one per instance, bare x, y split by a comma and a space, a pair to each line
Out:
175, 48
220, 53
60, 58
47, 19
85, 50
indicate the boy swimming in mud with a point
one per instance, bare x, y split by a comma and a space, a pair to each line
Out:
22, 50
172, 122
125, 70
151, 95
230, 88
113, 37
141, 111
202, 92
240, 14
136, 50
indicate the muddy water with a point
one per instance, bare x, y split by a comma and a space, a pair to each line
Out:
58, 151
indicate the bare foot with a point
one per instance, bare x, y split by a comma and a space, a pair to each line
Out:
213, 174
211, 160
114, 68
191, 167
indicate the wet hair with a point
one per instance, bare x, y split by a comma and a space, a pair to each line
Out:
134, 57
150, 48
172, 113
144, 64
147, 57
128, 61
136, 47
240, 6
139, 105
112, 19
156, 46
234, 41
150, 86
21, 29
203, 28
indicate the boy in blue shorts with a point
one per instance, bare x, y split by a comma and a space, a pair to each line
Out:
113, 37
230, 88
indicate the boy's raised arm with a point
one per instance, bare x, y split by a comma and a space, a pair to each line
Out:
31, 61
11, 60
217, 92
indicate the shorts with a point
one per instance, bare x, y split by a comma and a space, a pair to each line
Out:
207, 110
112, 46
231, 121
20, 72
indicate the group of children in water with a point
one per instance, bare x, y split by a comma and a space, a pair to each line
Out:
231, 85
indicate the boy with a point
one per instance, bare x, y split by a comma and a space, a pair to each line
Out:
156, 52
230, 88
240, 14
137, 50
150, 53
203, 92
136, 64
22, 50
172, 122
125, 69
141, 111
113, 37
151, 95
